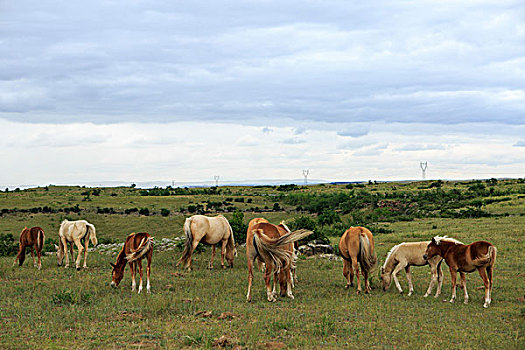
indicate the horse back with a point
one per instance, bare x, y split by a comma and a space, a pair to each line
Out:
349, 242
270, 230
134, 240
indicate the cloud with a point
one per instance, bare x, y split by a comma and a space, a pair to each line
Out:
520, 143
293, 141
266, 130
355, 131
299, 130
420, 147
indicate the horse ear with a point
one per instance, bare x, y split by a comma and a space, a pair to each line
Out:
56, 247
433, 240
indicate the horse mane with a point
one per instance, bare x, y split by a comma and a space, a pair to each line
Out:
394, 248
285, 227
439, 239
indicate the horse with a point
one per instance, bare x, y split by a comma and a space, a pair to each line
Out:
33, 237
357, 245
273, 245
209, 230
463, 258
409, 254
136, 247
72, 232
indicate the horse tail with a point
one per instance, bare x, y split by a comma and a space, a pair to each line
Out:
231, 240
189, 241
92, 232
145, 245
489, 258
366, 252
40, 238
273, 248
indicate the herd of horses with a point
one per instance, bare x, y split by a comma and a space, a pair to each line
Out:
274, 249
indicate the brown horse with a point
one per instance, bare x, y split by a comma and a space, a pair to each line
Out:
33, 237
136, 247
273, 245
357, 245
463, 258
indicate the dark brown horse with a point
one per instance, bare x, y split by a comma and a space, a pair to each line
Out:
357, 247
136, 247
273, 245
34, 238
462, 258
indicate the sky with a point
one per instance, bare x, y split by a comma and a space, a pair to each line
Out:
99, 91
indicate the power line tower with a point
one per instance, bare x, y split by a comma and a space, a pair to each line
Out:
306, 172
423, 166
216, 177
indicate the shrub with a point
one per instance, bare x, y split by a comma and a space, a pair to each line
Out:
238, 226
8, 245
144, 211
164, 212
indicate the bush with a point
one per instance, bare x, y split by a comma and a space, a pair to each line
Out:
164, 212
8, 245
144, 211
238, 226
306, 222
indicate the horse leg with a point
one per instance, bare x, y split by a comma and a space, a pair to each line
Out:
210, 265
86, 244
440, 279
394, 276
433, 279
289, 284
267, 277
80, 248
483, 273
65, 245
453, 279
464, 283
250, 279
139, 262
132, 271
33, 254
409, 278
148, 271
355, 268
223, 252
489, 270
193, 247
346, 272
21, 255
367, 282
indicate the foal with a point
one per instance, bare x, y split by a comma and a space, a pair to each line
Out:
33, 237
357, 245
137, 246
480, 255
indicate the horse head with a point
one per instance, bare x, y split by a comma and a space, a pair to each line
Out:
386, 278
117, 274
60, 254
432, 249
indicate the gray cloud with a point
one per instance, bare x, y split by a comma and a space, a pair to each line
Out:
355, 131
420, 147
520, 143
326, 61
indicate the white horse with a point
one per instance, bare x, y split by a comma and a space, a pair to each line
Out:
72, 232
409, 254
209, 230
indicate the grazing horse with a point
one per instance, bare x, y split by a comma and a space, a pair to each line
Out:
136, 247
462, 258
72, 232
33, 237
209, 230
357, 245
409, 254
273, 245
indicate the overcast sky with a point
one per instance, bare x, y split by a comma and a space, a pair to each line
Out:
94, 91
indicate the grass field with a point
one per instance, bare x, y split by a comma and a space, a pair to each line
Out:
63, 308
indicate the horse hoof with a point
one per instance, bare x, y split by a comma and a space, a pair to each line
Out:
347, 286
78, 268
485, 305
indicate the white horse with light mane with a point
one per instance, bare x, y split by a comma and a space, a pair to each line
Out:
72, 232
208, 230
404, 255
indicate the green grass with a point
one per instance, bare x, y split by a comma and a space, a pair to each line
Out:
63, 308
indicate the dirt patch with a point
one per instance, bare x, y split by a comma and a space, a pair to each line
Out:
228, 316
273, 345
204, 314
129, 315
225, 341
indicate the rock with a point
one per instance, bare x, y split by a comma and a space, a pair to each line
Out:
315, 248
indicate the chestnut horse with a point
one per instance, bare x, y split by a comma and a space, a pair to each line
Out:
72, 232
462, 258
407, 254
136, 247
357, 245
209, 230
33, 237
273, 245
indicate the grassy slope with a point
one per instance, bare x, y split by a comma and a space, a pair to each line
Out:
63, 308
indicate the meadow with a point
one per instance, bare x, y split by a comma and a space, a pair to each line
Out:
64, 308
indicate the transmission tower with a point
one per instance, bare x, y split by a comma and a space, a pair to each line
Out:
306, 172
423, 166
216, 177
